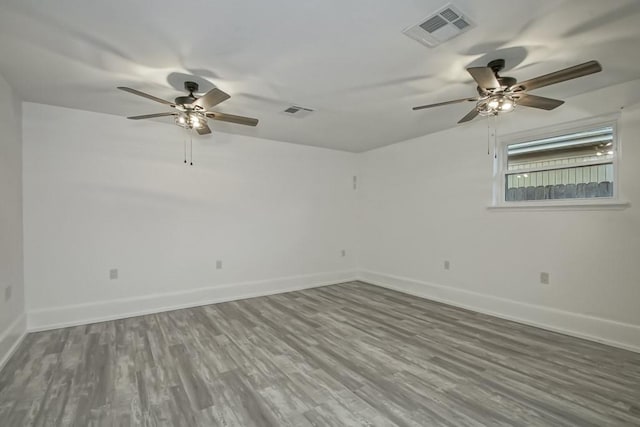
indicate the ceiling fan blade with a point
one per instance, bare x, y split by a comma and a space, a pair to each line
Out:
561, 75
151, 116
539, 102
485, 77
472, 115
145, 95
233, 119
438, 104
212, 98
203, 130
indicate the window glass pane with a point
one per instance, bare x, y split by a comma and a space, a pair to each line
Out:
566, 183
593, 145
575, 165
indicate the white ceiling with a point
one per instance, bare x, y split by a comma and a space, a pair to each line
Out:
348, 60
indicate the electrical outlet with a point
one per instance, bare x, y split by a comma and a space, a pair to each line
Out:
447, 265
8, 291
544, 278
343, 253
219, 264
113, 274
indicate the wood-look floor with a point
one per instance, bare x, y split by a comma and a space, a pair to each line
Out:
350, 354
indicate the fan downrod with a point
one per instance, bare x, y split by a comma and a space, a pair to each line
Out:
496, 66
188, 99
191, 87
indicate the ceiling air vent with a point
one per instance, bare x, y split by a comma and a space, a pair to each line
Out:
297, 111
440, 26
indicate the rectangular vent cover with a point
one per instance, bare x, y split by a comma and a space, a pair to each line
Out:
297, 111
449, 14
433, 24
440, 26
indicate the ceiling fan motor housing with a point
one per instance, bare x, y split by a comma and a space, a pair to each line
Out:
496, 66
188, 99
185, 100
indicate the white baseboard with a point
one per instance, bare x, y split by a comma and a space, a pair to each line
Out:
11, 338
82, 314
606, 331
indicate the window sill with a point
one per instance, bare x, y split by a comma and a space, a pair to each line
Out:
582, 205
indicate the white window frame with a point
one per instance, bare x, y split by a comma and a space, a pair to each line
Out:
500, 170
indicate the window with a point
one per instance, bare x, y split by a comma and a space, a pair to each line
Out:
566, 165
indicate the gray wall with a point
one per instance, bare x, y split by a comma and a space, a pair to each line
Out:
12, 321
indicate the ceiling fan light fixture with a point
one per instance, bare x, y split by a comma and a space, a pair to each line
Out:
191, 120
495, 104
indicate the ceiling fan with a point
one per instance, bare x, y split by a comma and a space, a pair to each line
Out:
192, 112
497, 94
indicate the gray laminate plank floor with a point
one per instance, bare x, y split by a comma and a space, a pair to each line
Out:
343, 355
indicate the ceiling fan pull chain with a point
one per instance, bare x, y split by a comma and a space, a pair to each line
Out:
491, 131
492, 134
191, 146
495, 137
184, 143
488, 133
